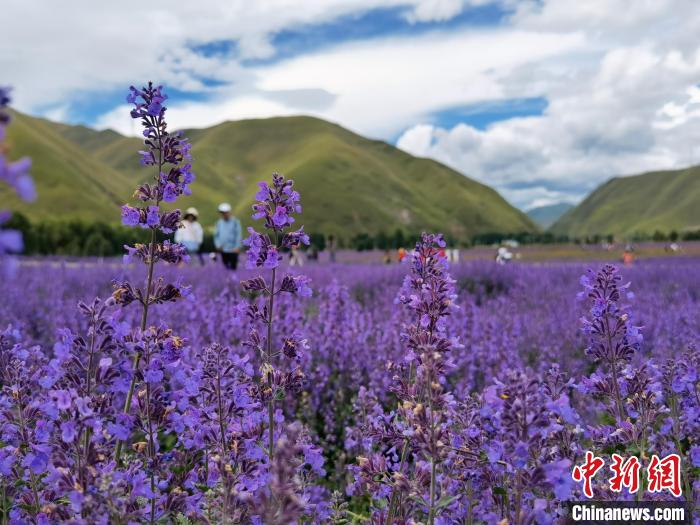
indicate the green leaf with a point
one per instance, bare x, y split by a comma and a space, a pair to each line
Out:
445, 502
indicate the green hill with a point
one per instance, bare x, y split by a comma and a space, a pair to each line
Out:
70, 183
660, 200
349, 184
545, 216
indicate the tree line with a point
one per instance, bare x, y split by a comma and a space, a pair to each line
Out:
83, 238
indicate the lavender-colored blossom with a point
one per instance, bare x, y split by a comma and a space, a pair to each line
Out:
16, 175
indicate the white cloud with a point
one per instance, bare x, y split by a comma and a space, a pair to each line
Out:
197, 115
384, 85
57, 113
51, 50
418, 140
374, 87
440, 10
629, 103
620, 77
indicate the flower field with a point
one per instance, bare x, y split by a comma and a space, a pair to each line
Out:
349, 393
514, 324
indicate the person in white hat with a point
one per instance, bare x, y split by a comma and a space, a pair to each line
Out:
191, 234
228, 236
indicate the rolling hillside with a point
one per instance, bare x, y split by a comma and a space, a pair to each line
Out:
349, 184
545, 216
660, 200
70, 182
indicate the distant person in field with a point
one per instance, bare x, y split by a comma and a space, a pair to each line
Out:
401, 255
503, 255
228, 236
628, 256
331, 247
312, 253
191, 234
295, 258
453, 255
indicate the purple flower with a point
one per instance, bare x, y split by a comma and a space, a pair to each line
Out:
118, 430
155, 107
7, 460
170, 192
152, 217
277, 203
36, 460
293, 239
153, 375
695, 455
62, 398
16, 175
140, 485
272, 258
68, 431
298, 284
130, 216
264, 191
558, 474
280, 218
10, 241
314, 458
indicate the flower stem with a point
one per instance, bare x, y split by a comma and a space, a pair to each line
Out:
404, 453
271, 402
613, 364
224, 447
88, 390
32, 476
144, 321
433, 463
151, 442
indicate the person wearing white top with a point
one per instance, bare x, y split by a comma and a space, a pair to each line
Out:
191, 234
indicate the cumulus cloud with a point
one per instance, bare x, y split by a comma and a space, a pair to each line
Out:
53, 49
384, 85
440, 10
374, 87
625, 104
619, 76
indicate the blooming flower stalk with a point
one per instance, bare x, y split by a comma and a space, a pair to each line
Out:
16, 175
168, 154
612, 338
276, 206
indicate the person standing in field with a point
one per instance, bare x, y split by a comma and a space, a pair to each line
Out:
228, 236
401, 254
295, 258
191, 234
628, 256
453, 255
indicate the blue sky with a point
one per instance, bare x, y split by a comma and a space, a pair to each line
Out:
292, 42
541, 99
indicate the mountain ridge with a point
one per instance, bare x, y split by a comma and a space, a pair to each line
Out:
545, 216
642, 204
349, 184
